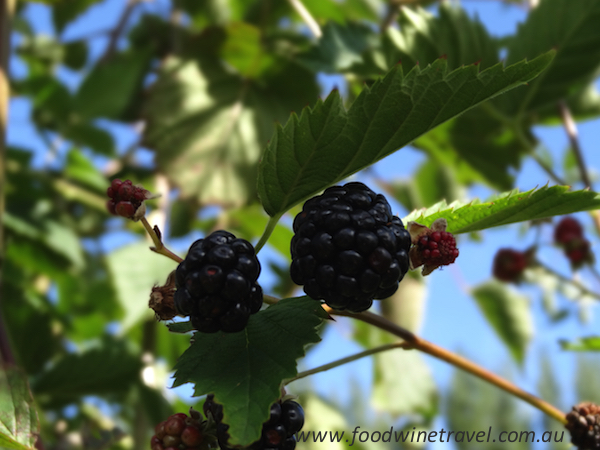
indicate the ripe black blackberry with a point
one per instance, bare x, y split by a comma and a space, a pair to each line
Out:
216, 283
348, 248
583, 422
278, 433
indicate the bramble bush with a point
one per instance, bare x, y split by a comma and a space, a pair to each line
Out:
253, 180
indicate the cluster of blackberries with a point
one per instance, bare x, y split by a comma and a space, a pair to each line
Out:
509, 265
125, 199
348, 248
583, 422
278, 433
216, 283
178, 432
568, 234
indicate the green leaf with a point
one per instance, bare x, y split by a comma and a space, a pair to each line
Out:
424, 37
112, 86
509, 314
506, 208
135, 270
209, 125
245, 370
242, 49
88, 135
19, 425
572, 29
64, 11
340, 47
111, 368
79, 168
584, 344
327, 143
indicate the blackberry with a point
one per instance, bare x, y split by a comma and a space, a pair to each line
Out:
179, 432
278, 432
216, 283
126, 200
348, 248
509, 265
583, 422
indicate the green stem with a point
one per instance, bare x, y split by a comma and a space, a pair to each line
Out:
271, 224
159, 247
349, 359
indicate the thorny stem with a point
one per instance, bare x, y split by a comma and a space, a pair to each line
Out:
159, 247
308, 19
458, 361
349, 359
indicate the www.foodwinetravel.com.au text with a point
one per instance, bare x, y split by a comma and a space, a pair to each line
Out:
391, 435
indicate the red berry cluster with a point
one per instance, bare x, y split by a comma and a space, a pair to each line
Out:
437, 248
126, 199
568, 234
509, 264
178, 432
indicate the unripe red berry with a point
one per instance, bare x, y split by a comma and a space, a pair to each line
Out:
509, 264
567, 229
191, 436
159, 430
174, 425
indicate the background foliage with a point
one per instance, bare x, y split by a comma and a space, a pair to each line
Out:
185, 98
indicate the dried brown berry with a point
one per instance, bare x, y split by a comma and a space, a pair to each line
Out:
583, 422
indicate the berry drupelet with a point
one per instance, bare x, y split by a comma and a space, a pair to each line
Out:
216, 283
348, 248
278, 433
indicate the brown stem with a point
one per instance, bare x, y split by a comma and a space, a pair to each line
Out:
7, 9
573, 135
116, 33
393, 8
458, 361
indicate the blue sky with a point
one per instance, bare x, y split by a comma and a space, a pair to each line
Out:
452, 319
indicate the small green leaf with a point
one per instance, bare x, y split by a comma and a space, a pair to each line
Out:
245, 370
112, 86
19, 425
509, 314
340, 47
508, 207
584, 344
327, 143
180, 327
